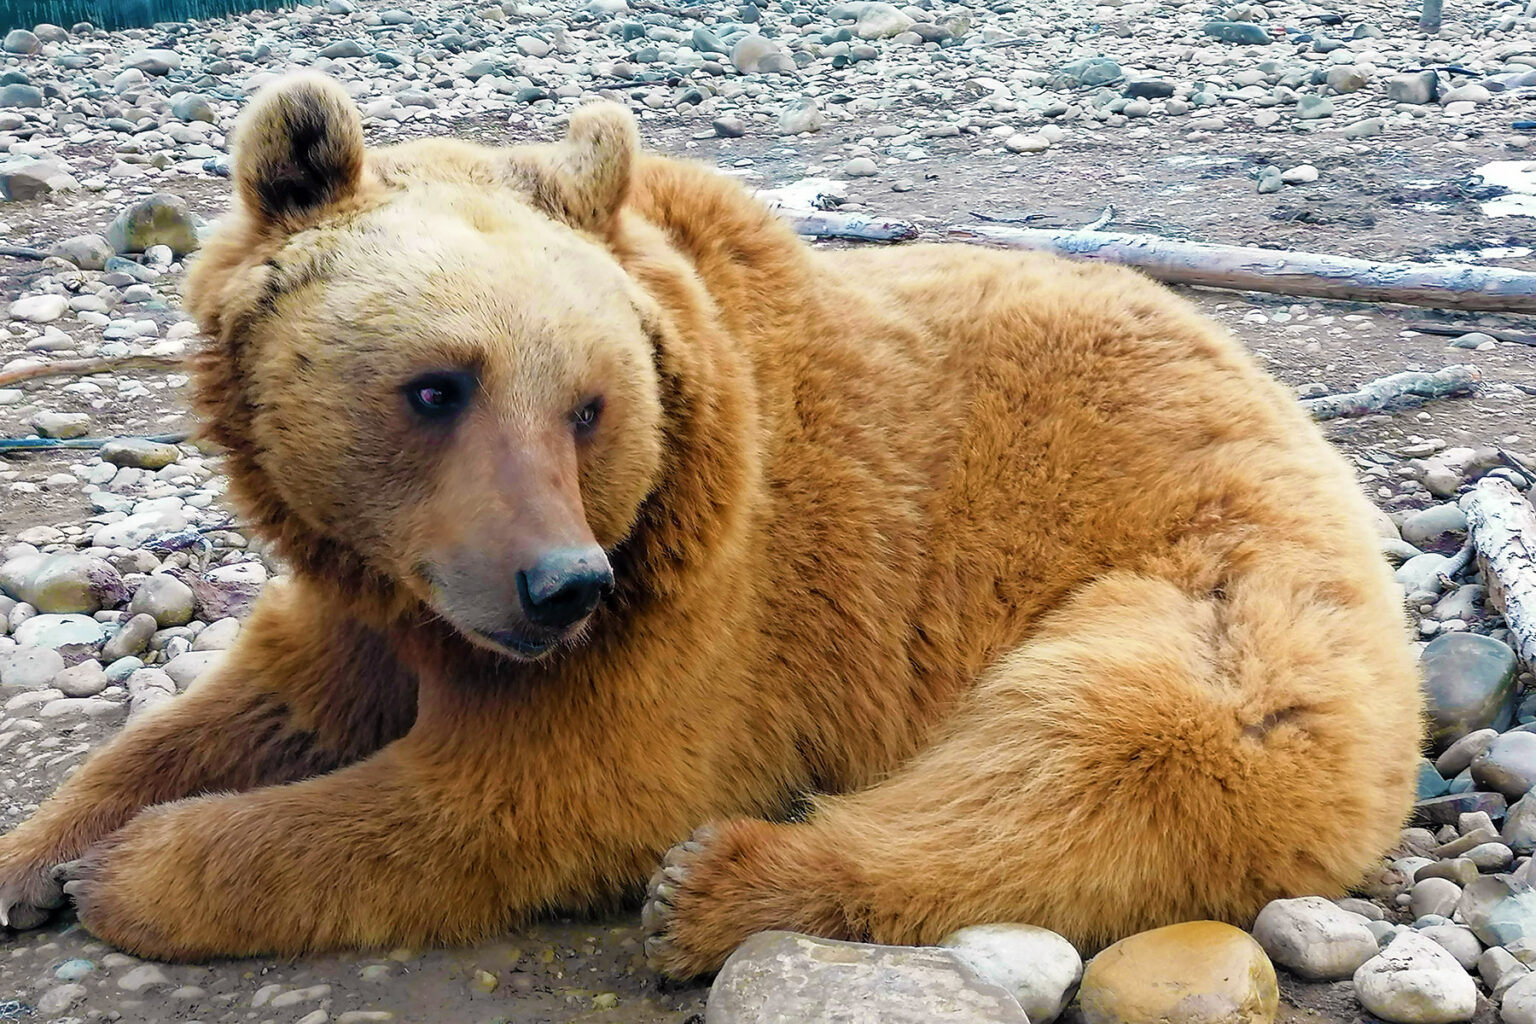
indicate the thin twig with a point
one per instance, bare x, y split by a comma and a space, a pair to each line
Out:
101, 364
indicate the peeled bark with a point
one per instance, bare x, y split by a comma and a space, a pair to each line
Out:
1385, 391
1502, 526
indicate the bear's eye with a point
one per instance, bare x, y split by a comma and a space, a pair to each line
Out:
440, 395
584, 419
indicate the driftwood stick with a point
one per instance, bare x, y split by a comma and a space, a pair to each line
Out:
854, 226
1379, 394
1457, 330
103, 364
44, 444
1277, 270
1502, 526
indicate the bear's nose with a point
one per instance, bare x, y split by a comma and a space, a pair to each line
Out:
564, 586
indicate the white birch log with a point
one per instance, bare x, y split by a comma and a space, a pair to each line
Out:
1242, 268
1459, 379
854, 226
1502, 526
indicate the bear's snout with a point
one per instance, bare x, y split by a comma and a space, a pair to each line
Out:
564, 586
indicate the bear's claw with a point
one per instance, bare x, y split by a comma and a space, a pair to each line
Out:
656, 916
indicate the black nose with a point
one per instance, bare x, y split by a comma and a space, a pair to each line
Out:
564, 586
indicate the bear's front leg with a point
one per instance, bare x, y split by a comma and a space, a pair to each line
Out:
386, 852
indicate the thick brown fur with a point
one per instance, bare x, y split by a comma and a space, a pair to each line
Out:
1055, 607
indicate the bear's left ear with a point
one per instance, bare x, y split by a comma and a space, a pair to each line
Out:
584, 179
298, 150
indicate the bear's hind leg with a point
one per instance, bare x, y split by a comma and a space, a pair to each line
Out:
1150, 755
291, 699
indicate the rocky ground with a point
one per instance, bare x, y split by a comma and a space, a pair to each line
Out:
1333, 127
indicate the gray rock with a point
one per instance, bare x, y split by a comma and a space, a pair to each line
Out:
1346, 78
1489, 857
1245, 32
193, 106
171, 602
1420, 87
60, 998
160, 219
1457, 941
19, 95
1038, 967
68, 634
1416, 981
1093, 71
63, 583
19, 40
140, 453
1311, 107
153, 62
801, 116
1458, 756
62, 424
1313, 938
29, 668
132, 638
780, 976
750, 51
1437, 896
23, 177
86, 679
138, 528
1519, 1003
1499, 909
1507, 766
88, 252
861, 167
186, 669
1270, 180
728, 127
39, 309
1446, 810
1519, 831
1469, 684
1424, 527
221, 636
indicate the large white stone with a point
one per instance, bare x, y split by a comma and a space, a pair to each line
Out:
1314, 938
1416, 981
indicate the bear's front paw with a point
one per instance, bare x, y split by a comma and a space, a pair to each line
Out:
28, 893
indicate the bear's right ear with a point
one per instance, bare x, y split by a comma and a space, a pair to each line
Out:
298, 150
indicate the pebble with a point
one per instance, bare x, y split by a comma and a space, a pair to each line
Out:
39, 309
160, 219
1311, 937
1302, 174
1027, 143
1191, 973
139, 453
131, 638
1416, 981
1040, 968
1438, 896
143, 977
86, 679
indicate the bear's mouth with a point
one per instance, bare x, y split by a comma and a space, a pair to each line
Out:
522, 645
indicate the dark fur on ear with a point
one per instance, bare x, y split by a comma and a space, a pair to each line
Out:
298, 150
584, 179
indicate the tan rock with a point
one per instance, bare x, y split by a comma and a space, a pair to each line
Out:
1201, 972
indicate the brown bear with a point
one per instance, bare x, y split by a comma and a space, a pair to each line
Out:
931, 585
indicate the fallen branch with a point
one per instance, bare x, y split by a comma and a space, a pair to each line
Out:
1456, 331
43, 444
1502, 526
102, 364
854, 226
1244, 268
1379, 394
23, 252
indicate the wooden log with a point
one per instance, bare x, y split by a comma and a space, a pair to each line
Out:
1459, 379
852, 226
44, 444
1502, 526
1243, 268
77, 367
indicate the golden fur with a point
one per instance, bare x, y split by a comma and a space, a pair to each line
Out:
1008, 587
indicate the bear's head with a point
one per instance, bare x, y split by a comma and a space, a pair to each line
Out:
434, 379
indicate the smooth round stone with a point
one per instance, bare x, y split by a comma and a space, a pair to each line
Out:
1416, 981
86, 679
1458, 941
63, 584
58, 631
1424, 527
167, 599
1519, 1003
1508, 765
29, 668
1312, 937
160, 219
1469, 684
1038, 966
1458, 756
139, 453
861, 167
1434, 896
73, 970
185, 669
1491, 857
131, 638
1499, 910
1200, 972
